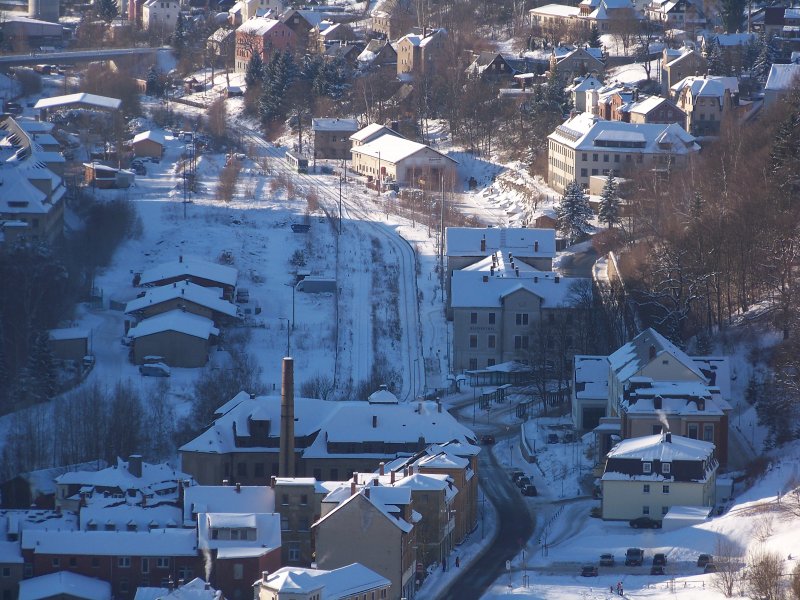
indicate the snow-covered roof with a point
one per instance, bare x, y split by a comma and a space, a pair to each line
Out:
123, 513
646, 347
187, 267
151, 134
345, 421
70, 333
64, 584
258, 26
21, 195
591, 377
266, 539
393, 149
556, 10
175, 320
345, 582
707, 85
194, 590
683, 54
470, 290
582, 84
80, 98
10, 553
119, 476
158, 542
204, 296
655, 447
582, 130
520, 241
689, 513
226, 499
782, 77
648, 104
391, 511
675, 398
735, 39
335, 124
371, 132
382, 397
419, 40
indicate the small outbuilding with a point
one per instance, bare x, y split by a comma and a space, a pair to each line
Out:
181, 338
103, 177
149, 143
69, 344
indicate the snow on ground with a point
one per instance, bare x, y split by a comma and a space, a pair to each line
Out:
631, 73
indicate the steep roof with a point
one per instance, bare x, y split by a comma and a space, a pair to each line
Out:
258, 26
343, 582
643, 349
393, 149
655, 447
783, 77
187, 267
175, 320
151, 134
203, 296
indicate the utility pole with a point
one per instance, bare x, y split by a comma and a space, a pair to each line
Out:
339, 232
441, 242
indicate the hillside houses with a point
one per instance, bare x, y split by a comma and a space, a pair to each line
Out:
706, 100
263, 36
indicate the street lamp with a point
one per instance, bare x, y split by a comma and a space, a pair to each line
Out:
288, 331
294, 288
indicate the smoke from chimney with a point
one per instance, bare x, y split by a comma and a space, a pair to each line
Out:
662, 417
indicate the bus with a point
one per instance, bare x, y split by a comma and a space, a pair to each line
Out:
299, 163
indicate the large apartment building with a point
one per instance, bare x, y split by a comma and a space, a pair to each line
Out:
585, 145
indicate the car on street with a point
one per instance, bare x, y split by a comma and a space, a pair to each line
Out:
588, 571
710, 568
487, 439
523, 481
704, 559
657, 570
606, 560
634, 557
517, 475
645, 523
552, 438
659, 558
530, 490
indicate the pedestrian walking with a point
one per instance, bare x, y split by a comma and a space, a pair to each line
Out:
458, 562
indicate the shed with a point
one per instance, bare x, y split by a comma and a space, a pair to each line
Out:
316, 285
148, 143
104, 177
181, 338
69, 344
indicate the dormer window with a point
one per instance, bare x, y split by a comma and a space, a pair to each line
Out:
665, 468
647, 467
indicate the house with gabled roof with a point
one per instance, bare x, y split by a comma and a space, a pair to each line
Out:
491, 66
417, 53
372, 132
577, 61
375, 527
677, 65
683, 15
332, 135
377, 53
780, 81
186, 296
656, 109
646, 476
706, 100
263, 36
194, 270
344, 583
391, 18
179, 338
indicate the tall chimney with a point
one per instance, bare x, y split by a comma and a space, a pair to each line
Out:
382, 467
286, 458
135, 465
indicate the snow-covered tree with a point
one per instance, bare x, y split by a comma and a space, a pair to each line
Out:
154, 83
766, 57
594, 37
716, 62
180, 37
255, 70
574, 212
609, 202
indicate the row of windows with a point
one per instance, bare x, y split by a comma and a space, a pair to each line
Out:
646, 489
647, 467
473, 363
123, 562
646, 510
473, 318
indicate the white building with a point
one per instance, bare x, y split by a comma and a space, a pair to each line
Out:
296, 583
160, 14
781, 79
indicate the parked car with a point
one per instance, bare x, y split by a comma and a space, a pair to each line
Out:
487, 439
657, 570
138, 168
645, 523
523, 481
569, 437
704, 559
530, 490
517, 475
155, 370
659, 558
588, 571
606, 560
552, 438
634, 556
710, 568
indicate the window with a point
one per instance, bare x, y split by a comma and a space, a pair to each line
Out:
73, 562
185, 573
294, 552
302, 524
473, 341
616, 158
317, 474
241, 469
692, 431
646, 488
522, 318
6, 571
123, 585
473, 318
491, 318
473, 364
491, 341
520, 342
124, 562
284, 523
605, 157
145, 565
664, 510
162, 562
490, 362
584, 172
258, 469
708, 433
665, 489
645, 510
665, 468
594, 157
238, 571
285, 499
95, 562
304, 499
584, 156
647, 467
595, 171
56, 563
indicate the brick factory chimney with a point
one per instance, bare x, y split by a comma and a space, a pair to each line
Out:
286, 457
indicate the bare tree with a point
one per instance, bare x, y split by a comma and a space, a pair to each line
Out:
726, 559
794, 583
762, 578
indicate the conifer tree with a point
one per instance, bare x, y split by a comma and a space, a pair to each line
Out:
574, 213
254, 74
609, 202
716, 62
594, 37
766, 58
107, 10
180, 36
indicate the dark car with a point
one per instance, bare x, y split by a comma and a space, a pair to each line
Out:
588, 571
704, 559
487, 439
657, 570
552, 438
645, 523
606, 560
523, 481
710, 568
139, 169
634, 556
530, 490
517, 475
659, 558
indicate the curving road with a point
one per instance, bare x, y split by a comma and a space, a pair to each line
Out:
516, 523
